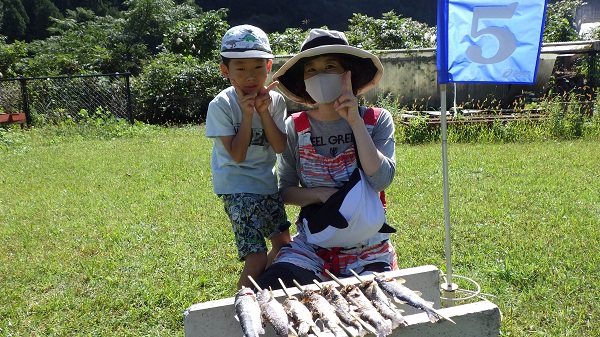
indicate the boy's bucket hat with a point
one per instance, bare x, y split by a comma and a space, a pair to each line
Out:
245, 41
367, 69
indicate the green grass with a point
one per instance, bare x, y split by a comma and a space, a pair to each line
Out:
116, 235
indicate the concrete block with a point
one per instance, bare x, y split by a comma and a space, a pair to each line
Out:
481, 319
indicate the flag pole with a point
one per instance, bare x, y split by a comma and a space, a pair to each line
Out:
448, 287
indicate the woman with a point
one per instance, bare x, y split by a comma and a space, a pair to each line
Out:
321, 154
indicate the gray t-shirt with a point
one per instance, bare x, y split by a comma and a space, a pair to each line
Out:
256, 174
330, 138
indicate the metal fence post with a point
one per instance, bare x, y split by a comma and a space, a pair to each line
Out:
128, 91
23, 82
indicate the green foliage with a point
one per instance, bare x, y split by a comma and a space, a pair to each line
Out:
417, 131
41, 20
10, 54
199, 36
390, 32
566, 118
559, 24
14, 20
176, 89
594, 34
571, 116
81, 43
147, 21
288, 42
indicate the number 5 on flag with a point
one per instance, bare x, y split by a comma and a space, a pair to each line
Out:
489, 41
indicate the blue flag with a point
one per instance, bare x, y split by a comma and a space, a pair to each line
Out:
486, 41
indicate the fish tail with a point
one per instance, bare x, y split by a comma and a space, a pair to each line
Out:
435, 316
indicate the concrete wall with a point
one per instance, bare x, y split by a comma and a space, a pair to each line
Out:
411, 76
480, 319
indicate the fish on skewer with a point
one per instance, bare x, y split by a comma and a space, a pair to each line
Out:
365, 308
299, 313
273, 312
380, 300
343, 309
248, 312
323, 310
401, 293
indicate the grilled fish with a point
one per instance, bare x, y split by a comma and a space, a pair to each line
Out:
322, 309
387, 309
301, 316
273, 312
403, 294
342, 308
366, 310
248, 312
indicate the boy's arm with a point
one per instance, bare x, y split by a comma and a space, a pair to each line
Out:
237, 145
275, 136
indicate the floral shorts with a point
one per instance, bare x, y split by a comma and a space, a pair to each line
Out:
253, 218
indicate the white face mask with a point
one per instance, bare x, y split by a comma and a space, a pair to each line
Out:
324, 88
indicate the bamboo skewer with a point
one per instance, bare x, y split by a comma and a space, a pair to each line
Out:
362, 322
254, 282
333, 277
345, 328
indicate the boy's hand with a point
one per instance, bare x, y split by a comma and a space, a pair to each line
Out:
246, 102
347, 104
263, 99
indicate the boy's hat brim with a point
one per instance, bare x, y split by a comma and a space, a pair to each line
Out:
247, 54
289, 81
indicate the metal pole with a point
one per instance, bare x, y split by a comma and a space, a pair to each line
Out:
128, 90
25, 100
448, 287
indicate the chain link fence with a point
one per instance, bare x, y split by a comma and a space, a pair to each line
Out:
47, 99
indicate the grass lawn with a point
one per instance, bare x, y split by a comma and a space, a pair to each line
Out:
117, 236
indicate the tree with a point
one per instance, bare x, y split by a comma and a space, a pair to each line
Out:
288, 42
199, 36
559, 24
14, 20
43, 11
147, 21
80, 43
390, 32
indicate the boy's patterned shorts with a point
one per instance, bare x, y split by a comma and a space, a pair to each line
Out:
253, 218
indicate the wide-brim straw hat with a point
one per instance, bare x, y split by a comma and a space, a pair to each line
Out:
367, 69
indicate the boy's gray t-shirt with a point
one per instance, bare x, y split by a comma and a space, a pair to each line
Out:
256, 174
330, 138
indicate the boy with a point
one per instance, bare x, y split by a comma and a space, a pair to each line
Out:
246, 122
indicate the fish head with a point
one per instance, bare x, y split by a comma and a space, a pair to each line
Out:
245, 291
263, 296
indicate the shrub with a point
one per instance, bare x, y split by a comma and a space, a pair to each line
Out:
176, 89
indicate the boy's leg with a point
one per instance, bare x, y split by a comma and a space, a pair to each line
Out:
242, 209
254, 265
276, 243
278, 226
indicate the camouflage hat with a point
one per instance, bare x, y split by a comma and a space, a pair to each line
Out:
245, 41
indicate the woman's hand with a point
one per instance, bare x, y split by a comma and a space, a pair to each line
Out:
347, 104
